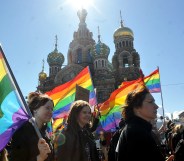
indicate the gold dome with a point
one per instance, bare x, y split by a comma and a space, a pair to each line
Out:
42, 76
123, 31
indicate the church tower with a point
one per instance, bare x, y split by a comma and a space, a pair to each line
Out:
55, 60
126, 61
103, 79
79, 52
42, 75
79, 48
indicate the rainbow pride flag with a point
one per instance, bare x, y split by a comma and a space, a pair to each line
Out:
64, 95
152, 82
12, 113
112, 108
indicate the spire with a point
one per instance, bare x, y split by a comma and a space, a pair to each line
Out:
56, 43
82, 15
121, 19
98, 34
43, 65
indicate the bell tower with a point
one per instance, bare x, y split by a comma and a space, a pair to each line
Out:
79, 48
102, 70
126, 60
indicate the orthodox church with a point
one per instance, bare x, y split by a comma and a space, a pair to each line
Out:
84, 51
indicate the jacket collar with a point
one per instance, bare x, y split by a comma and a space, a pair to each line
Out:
141, 122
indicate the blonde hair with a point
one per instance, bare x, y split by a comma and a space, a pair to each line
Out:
178, 128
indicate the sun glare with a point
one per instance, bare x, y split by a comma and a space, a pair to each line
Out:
78, 4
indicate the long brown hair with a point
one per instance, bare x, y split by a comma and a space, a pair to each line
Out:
76, 108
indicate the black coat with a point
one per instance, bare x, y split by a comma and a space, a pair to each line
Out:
136, 142
113, 143
24, 144
74, 147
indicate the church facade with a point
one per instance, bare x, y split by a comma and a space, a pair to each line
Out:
84, 51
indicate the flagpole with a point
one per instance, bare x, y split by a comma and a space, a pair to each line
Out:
20, 94
163, 112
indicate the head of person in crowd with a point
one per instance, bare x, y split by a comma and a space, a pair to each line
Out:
140, 103
179, 128
79, 116
101, 135
170, 124
41, 107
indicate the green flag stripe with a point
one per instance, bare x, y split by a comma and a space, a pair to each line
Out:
5, 88
65, 101
114, 109
154, 81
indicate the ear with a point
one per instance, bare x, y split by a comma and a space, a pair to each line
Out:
136, 111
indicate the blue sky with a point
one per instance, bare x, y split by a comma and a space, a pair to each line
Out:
28, 29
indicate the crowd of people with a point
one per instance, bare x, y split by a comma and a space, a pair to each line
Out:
136, 139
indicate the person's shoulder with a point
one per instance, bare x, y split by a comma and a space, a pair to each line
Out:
136, 131
68, 133
25, 128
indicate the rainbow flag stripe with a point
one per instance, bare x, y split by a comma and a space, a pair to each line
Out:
64, 95
152, 82
111, 109
12, 113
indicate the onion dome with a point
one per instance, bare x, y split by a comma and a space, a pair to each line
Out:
100, 49
123, 31
55, 57
42, 74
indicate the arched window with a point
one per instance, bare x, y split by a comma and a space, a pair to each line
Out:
79, 55
99, 63
102, 63
123, 44
120, 44
125, 61
55, 70
129, 43
126, 43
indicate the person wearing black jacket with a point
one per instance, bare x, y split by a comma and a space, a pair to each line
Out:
25, 144
113, 143
136, 141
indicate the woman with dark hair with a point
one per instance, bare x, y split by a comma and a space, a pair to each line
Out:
25, 144
136, 141
79, 144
